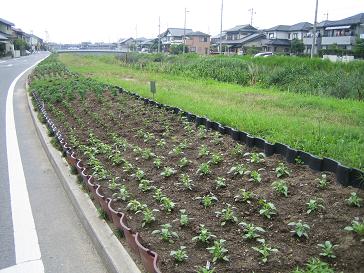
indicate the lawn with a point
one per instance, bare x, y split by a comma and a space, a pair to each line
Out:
325, 126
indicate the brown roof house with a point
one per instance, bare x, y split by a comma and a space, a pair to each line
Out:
198, 42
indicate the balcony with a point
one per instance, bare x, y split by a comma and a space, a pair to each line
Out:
340, 40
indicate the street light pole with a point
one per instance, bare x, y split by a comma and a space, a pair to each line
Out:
314, 32
222, 7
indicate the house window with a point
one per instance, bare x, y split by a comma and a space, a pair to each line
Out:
271, 35
203, 39
295, 35
192, 49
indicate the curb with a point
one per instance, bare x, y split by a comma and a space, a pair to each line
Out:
113, 254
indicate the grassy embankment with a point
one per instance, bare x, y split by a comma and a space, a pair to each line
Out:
324, 126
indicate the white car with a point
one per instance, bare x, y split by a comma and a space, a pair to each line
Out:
263, 54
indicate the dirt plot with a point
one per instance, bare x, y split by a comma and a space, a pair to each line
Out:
141, 147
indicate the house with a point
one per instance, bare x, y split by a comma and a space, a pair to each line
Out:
34, 42
173, 36
278, 38
198, 42
342, 33
7, 36
126, 44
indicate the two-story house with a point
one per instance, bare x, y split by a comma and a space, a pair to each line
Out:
278, 38
173, 36
198, 42
342, 33
7, 36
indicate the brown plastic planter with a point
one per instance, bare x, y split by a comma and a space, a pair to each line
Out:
71, 159
149, 258
103, 201
129, 236
116, 216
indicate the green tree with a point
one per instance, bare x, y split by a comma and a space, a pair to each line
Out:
177, 49
359, 48
297, 46
20, 44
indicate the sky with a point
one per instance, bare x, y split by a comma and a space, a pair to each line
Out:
74, 21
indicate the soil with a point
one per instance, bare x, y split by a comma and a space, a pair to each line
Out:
125, 116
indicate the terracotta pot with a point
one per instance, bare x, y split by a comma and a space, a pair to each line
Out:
149, 258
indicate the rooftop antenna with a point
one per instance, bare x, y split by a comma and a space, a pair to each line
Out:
252, 12
327, 16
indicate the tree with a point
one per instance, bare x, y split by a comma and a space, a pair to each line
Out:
177, 49
297, 46
359, 48
20, 44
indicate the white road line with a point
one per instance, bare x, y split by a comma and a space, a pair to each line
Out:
28, 267
25, 235
2, 62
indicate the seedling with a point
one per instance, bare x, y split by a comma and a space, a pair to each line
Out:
116, 158
216, 159
244, 196
134, 205
168, 171
167, 204
255, 176
238, 150
206, 269
202, 132
203, 151
298, 160
218, 251
356, 227
314, 204
147, 154
204, 169
127, 167
354, 200
220, 182
315, 266
216, 138
176, 151
267, 209
158, 195
145, 185
322, 181
183, 162
179, 255
148, 136
157, 162
204, 235
282, 170
112, 185
122, 194
300, 229
207, 200
238, 169
161, 143
251, 231
165, 233
255, 157
139, 174
281, 187
227, 215
184, 220
265, 250
327, 249
185, 181
148, 215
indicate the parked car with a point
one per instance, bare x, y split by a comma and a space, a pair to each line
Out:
263, 54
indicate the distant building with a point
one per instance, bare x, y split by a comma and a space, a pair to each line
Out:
7, 37
126, 44
198, 42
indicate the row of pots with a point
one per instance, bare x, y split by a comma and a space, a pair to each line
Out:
148, 258
344, 175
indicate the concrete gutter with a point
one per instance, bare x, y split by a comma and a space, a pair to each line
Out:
111, 251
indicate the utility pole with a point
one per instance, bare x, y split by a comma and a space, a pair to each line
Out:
222, 7
314, 32
184, 32
159, 34
251, 15
327, 16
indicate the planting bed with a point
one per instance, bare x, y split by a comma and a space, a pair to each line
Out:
153, 159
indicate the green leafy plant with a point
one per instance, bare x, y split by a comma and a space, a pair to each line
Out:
204, 235
216, 159
218, 251
139, 174
165, 233
161, 142
203, 151
244, 196
322, 181
184, 219
122, 194
134, 205
179, 255
168, 171
281, 187
147, 154
354, 200
282, 170
314, 205
238, 150
314, 265
202, 132
327, 249
204, 169
255, 176
356, 227
238, 169
227, 215
265, 250
167, 204
157, 162
206, 269
113, 185
251, 231
207, 200
267, 209
216, 138
255, 157
148, 215
186, 181
127, 167
298, 160
158, 195
183, 162
220, 182
300, 229
145, 185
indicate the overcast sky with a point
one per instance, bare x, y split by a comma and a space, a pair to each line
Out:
72, 21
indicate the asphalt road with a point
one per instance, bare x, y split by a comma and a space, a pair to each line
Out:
39, 229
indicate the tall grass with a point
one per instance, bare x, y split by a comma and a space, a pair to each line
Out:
325, 126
